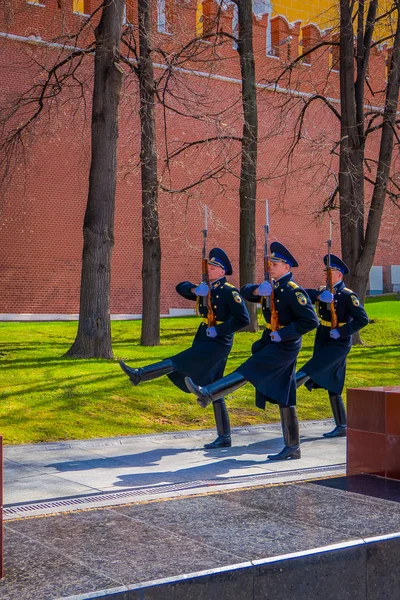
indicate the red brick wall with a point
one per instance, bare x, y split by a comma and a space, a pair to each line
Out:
41, 212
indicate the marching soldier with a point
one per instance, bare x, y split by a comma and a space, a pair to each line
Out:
271, 368
327, 367
205, 361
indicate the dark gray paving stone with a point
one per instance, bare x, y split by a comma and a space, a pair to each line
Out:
119, 547
383, 573
346, 513
243, 530
34, 571
328, 576
367, 486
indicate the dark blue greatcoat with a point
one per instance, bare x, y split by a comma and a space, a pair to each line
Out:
327, 367
205, 361
272, 366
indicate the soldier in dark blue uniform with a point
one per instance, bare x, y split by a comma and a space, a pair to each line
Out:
205, 361
327, 367
272, 366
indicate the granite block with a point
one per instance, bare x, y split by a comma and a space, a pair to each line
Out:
383, 573
366, 409
393, 413
121, 548
237, 584
14, 471
393, 456
330, 509
370, 486
34, 570
365, 452
43, 487
329, 575
42, 457
248, 532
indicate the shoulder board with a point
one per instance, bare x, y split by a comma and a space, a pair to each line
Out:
229, 285
321, 288
293, 284
345, 289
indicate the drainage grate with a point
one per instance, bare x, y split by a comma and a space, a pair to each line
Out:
114, 498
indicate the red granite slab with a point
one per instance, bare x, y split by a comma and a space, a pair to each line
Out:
366, 452
393, 456
364, 410
393, 413
373, 434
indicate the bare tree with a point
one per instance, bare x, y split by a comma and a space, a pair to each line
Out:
18, 119
93, 338
365, 177
359, 225
248, 172
245, 146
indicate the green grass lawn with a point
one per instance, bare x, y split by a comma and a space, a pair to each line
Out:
44, 397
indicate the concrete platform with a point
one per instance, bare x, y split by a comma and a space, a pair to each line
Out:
54, 477
198, 528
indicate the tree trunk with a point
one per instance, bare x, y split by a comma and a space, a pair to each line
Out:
93, 339
248, 175
151, 266
351, 167
384, 161
359, 247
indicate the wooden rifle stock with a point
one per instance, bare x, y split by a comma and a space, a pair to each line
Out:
329, 282
330, 287
270, 300
211, 320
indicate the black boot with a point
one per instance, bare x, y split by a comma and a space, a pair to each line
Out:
149, 372
223, 426
214, 391
301, 378
291, 436
339, 414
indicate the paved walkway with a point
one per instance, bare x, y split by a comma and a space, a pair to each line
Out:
56, 477
321, 534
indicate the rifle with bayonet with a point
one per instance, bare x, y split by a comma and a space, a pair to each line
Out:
270, 300
329, 282
211, 321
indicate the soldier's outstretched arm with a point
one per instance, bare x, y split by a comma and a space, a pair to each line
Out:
247, 291
313, 294
185, 289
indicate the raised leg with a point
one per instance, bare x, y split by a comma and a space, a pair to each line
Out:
149, 372
215, 391
301, 378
